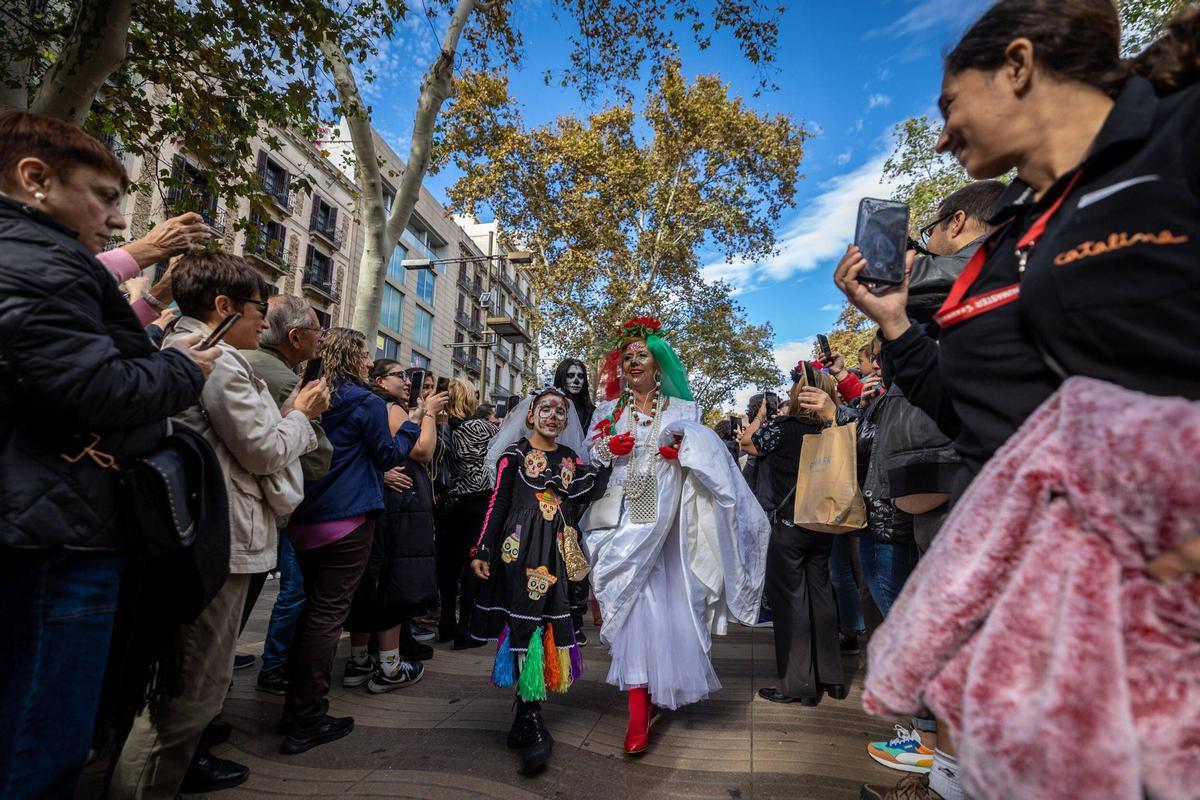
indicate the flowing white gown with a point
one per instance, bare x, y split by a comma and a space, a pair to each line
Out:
664, 587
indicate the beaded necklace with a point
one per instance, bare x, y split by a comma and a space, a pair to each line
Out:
625, 401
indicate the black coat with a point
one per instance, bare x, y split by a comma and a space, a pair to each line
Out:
400, 581
74, 362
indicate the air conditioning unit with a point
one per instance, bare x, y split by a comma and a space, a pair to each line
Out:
487, 300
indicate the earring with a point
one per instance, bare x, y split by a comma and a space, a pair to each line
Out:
39, 196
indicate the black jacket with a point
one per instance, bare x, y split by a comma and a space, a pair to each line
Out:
74, 362
1112, 291
931, 280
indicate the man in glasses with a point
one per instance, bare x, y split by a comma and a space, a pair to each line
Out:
946, 243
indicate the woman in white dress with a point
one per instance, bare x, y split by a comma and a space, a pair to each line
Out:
677, 544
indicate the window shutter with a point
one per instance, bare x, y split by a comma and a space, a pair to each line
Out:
308, 257
262, 165
332, 222
316, 208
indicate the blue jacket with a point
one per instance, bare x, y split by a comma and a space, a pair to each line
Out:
363, 449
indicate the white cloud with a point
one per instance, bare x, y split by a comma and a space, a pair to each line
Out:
878, 101
818, 235
786, 356
831, 307
857, 126
845, 156
929, 14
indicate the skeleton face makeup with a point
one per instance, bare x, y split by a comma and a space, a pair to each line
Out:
575, 380
549, 415
639, 366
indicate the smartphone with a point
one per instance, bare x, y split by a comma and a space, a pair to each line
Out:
417, 378
735, 422
312, 370
823, 344
220, 332
443, 385
882, 235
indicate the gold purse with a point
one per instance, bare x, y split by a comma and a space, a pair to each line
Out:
572, 554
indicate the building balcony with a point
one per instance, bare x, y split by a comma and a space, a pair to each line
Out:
464, 319
503, 351
499, 393
464, 283
280, 194
331, 236
268, 252
473, 364
320, 283
181, 199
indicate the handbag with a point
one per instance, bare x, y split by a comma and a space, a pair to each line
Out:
828, 498
605, 512
572, 554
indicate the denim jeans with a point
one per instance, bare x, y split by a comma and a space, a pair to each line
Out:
845, 589
56, 620
885, 568
288, 605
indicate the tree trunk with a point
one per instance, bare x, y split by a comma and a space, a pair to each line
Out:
367, 176
93, 51
14, 38
435, 89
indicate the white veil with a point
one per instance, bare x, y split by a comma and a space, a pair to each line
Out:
514, 428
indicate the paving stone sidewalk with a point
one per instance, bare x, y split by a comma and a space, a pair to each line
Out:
444, 737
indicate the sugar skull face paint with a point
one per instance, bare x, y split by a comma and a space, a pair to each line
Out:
576, 380
549, 415
639, 366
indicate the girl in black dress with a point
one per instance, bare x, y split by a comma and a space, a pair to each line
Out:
523, 603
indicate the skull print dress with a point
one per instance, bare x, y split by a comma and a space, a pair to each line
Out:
524, 605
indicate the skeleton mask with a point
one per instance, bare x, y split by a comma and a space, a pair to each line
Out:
575, 380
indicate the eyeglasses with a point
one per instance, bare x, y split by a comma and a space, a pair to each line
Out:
317, 328
262, 304
401, 375
927, 230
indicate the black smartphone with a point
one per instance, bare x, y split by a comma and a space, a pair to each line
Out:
417, 378
220, 332
735, 422
312, 370
443, 385
823, 345
882, 235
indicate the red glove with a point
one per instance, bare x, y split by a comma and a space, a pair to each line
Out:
670, 452
621, 444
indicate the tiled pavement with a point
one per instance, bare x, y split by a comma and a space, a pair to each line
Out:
444, 737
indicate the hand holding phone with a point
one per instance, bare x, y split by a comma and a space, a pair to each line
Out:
219, 334
823, 346
312, 370
416, 382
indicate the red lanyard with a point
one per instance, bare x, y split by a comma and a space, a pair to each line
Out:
954, 310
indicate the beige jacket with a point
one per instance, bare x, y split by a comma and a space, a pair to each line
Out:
258, 449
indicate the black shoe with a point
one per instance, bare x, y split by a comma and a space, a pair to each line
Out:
273, 681
207, 773
357, 674
837, 691
446, 629
580, 638
849, 645
409, 673
217, 732
241, 662
531, 737
466, 643
776, 696
324, 729
415, 651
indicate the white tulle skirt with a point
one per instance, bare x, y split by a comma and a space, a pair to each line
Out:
660, 645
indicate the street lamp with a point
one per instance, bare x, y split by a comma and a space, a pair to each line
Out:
514, 257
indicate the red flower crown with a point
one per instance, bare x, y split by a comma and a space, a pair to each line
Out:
637, 328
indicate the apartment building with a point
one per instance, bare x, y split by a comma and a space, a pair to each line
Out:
303, 243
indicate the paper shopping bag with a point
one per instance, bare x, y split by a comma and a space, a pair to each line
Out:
828, 499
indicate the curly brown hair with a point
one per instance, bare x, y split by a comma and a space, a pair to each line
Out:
342, 349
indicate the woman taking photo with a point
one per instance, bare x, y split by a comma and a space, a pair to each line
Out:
399, 582
808, 657
332, 531
1092, 271
470, 490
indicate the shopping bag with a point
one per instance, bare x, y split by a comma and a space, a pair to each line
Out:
828, 499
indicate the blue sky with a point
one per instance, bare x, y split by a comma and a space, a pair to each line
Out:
849, 71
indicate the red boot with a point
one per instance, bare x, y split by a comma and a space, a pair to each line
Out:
637, 735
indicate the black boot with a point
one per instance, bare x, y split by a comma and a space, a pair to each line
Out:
530, 736
207, 773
